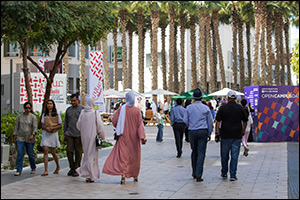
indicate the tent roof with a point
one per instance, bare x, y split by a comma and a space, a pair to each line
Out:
189, 95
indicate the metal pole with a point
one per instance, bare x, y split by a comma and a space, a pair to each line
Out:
11, 85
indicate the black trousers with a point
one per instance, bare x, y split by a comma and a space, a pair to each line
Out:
178, 129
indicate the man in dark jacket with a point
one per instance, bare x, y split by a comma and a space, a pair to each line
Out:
232, 130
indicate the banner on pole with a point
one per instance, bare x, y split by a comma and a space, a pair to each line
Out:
96, 79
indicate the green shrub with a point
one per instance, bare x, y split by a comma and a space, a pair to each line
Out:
8, 122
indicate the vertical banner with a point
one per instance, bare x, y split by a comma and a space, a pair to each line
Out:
96, 79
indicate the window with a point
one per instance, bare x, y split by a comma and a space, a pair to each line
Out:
72, 50
148, 61
87, 52
119, 54
35, 51
11, 49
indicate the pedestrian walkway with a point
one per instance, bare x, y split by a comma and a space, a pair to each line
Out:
261, 175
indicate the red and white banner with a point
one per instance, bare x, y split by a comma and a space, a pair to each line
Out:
96, 79
38, 85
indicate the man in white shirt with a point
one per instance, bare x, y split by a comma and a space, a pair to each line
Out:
213, 102
166, 107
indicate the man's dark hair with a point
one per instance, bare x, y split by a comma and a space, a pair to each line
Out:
244, 102
179, 101
74, 95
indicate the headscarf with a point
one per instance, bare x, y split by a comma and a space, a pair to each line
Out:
121, 121
89, 106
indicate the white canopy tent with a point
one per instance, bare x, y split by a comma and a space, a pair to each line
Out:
224, 92
160, 92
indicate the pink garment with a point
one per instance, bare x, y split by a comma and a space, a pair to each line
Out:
87, 126
125, 157
245, 139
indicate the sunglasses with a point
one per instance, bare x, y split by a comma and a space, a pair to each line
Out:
27, 108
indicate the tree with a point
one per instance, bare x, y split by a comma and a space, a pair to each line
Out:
64, 22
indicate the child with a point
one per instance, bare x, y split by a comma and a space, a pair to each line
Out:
160, 119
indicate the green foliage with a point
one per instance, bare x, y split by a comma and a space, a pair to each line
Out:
106, 144
8, 122
295, 58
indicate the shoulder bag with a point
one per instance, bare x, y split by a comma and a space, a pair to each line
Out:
98, 138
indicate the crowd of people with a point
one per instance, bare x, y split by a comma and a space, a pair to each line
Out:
195, 121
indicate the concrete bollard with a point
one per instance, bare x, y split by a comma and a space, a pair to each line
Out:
5, 153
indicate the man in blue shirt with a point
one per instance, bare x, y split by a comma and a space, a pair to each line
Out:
232, 130
199, 120
178, 125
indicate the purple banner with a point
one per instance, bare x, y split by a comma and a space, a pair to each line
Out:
276, 116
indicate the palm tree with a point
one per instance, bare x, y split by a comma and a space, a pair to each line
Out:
123, 21
66, 68
269, 54
202, 51
163, 23
276, 50
193, 50
171, 46
115, 37
82, 73
130, 33
234, 17
105, 64
182, 18
241, 52
154, 9
257, 8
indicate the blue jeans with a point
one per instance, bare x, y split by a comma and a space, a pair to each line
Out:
198, 141
159, 136
232, 145
29, 150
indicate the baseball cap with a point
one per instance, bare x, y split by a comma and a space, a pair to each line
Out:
231, 94
197, 94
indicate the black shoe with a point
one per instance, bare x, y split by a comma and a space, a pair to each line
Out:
224, 175
70, 172
199, 179
233, 178
178, 155
75, 174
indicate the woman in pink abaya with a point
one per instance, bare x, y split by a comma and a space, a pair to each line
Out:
89, 124
125, 157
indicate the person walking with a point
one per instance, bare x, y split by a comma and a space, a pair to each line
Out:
199, 120
186, 130
213, 113
125, 157
51, 123
231, 115
248, 128
24, 136
166, 107
90, 125
178, 125
160, 125
72, 135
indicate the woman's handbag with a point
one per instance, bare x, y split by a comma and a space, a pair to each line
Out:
98, 138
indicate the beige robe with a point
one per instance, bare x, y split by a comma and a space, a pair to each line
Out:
125, 157
86, 124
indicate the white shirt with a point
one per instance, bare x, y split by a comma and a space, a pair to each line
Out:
166, 106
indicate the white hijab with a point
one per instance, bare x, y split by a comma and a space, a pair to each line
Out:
121, 121
89, 106
154, 108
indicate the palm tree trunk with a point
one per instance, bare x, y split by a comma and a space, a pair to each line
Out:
163, 56
269, 50
234, 48
66, 69
248, 52
130, 32
241, 55
214, 50
115, 35
219, 48
171, 47
256, 45
123, 22
82, 73
154, 54
141, 55
176, 84
281, 56
262, 44
193, 52
105, 65
202, 51
212, 86
286, 33
276, 50
182, 59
